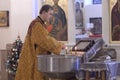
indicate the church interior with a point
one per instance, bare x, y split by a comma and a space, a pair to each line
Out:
90, 37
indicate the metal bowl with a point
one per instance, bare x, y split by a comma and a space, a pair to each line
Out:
59, 66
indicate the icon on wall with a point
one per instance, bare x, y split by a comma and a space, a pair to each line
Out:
97, 23
78, 13
4, 18
59, 21
114, 21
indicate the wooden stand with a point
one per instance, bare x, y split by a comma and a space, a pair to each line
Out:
98, 75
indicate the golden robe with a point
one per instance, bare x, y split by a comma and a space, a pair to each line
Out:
37, 41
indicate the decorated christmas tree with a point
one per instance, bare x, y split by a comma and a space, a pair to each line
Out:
13, 58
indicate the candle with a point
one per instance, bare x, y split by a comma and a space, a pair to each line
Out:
75, 50
66, 48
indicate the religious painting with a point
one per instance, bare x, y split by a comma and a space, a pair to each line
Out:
78, 8
4, 18
97, 25
59, 22
114, 21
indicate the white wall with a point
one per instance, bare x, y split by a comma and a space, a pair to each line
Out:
21, 14
88, 2
5, 32
71, 22
92, 11
4, 5
105, 21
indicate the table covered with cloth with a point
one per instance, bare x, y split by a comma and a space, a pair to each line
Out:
112, 68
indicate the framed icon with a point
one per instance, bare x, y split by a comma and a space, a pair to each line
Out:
4, 18
97, 22
114, 21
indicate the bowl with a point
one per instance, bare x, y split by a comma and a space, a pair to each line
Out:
59, 66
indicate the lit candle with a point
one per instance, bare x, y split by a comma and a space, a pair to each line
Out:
66, 48
75, 50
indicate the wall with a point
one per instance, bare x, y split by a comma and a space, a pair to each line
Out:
5, 32
3, 3
21, 16
88, 2
92, 11
21, 13
71, 23
105, 21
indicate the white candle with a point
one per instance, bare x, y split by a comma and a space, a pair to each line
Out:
66, 48
75, 50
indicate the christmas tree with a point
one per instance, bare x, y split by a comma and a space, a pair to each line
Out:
13, 58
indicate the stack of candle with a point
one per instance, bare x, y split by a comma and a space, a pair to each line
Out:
75, 52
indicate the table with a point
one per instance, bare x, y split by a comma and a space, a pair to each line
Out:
105, 70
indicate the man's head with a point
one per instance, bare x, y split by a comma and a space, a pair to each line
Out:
46, 12
56, 2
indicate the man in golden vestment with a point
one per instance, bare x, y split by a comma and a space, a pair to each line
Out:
37, 41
